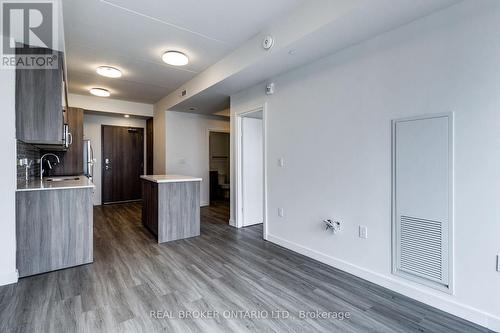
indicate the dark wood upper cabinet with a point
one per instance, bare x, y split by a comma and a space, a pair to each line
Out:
72, 159
39, 106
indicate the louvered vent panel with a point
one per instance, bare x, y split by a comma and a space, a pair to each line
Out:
421, 247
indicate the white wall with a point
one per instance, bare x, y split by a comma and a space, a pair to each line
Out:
331, 121
109, 105
92, 130
188, 147
8, 273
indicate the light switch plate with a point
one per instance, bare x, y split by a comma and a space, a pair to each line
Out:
363, 232
281, 212
498, 262
281, 162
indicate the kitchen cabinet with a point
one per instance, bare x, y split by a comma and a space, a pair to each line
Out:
53, 229
39, 109
71, 159
171, 206
150, 206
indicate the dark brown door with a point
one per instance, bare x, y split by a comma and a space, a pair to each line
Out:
122, 163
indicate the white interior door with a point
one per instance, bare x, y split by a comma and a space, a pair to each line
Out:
252, 171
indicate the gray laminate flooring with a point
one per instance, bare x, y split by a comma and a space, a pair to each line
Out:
223, 270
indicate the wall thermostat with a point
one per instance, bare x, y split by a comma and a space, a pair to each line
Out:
270, 89
268, 42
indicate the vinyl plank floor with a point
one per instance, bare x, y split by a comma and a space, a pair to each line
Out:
223, 274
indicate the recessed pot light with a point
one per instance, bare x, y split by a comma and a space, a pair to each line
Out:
126, 115
193, 108
175, 58
100, 92
109, 71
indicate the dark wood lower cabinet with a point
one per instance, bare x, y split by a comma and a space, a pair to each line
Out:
53, 229
150, 206
171, 210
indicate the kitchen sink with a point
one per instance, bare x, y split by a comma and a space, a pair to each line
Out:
61, 179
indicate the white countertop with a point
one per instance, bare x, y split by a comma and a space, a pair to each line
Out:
39, 185
170, 178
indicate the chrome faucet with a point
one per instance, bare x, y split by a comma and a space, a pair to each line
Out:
50, 165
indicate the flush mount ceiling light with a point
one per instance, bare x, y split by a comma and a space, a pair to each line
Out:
175, 58
100, 92
126, 115
109, 71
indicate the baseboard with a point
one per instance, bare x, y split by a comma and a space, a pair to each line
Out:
493, 324
9, 278
204, 204
232, 223
393, 283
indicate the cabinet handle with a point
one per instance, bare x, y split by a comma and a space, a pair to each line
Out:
70, 138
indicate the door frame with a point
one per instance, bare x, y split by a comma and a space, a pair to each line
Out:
149, 151
451, 202
238, 167
102, 160
217, 130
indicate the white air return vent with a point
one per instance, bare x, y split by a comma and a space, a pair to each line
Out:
421, 246
422, 199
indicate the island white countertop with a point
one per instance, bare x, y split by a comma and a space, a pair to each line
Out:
170, 178
40, 185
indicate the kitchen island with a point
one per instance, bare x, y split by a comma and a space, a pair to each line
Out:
54, 224
171, 206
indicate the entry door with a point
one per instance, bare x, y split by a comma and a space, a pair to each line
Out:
122, 163
252, 171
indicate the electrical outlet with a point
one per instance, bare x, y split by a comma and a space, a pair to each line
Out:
363, 232
22, 162
281, 212
498, 262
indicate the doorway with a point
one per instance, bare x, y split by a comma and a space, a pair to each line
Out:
250, 171
123, 163
219, 163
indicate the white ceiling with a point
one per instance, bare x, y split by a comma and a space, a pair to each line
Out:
132, 35
372, 18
